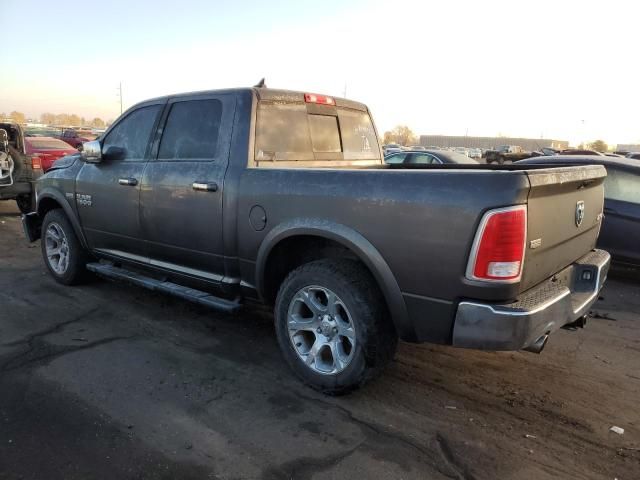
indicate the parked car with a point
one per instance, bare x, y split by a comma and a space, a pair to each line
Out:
621, 227
416, 148
633, 155
18, 171
48, 149
579, 151
229, 197
475, 153
506, 154
72, 137
461, 151
391, 148
426, 157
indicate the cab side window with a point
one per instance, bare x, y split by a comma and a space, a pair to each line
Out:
395, 159
191, 131
133, 132
421, 159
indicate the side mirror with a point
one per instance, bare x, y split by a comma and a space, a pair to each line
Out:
113, 153
91, 152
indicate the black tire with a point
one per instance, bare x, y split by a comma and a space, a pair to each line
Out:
77, 257
375, 336
25, 203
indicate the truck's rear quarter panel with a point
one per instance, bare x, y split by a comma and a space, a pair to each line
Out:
421, 222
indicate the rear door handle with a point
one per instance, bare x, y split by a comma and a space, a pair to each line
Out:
128, 181
205, 186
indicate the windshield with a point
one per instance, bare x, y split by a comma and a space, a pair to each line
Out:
339, 134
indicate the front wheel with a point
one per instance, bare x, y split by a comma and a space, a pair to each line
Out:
332, 325
61, 250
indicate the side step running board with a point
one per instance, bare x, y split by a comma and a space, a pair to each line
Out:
191, 294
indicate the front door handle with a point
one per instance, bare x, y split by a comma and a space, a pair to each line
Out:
205, 186
128, 181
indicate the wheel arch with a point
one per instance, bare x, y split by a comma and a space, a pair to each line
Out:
50, 199
301, 232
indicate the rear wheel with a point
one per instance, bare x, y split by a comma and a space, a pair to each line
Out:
61, 250
332, 326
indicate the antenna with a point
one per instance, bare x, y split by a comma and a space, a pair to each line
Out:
261, 84
120, 96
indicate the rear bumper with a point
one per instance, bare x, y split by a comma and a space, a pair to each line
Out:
564, 298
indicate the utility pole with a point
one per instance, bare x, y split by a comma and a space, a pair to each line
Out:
120, 95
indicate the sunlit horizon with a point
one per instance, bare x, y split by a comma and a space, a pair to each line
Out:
535, 69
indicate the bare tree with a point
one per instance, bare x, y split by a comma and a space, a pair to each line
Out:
401, 134
17, 117
97, 123
598, 146
48, 118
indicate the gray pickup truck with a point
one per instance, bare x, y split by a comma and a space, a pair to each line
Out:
279, 197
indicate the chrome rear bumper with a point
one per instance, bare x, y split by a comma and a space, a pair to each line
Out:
560, 300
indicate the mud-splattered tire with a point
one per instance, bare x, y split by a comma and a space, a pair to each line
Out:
62, 252
333, 326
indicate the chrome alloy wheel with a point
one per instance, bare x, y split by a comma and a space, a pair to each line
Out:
57, 248
321, 330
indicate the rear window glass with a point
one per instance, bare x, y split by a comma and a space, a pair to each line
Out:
358, 136
289, 132
282, 133
325, 136
48, 144
191, 130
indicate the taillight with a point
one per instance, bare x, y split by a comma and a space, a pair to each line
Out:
322, 99
36, 162
498, 249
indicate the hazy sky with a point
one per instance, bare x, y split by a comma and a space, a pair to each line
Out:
562, 69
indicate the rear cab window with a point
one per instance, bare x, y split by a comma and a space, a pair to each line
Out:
191, 130
290, 130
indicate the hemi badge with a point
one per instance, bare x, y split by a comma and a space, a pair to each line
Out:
535, 243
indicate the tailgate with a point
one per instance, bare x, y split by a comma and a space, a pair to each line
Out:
564, 215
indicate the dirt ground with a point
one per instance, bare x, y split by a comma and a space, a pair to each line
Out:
110, 381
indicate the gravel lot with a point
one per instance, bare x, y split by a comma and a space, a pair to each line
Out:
110, 381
